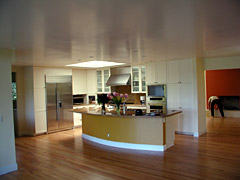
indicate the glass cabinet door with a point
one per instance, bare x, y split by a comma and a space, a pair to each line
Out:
99, 81
106, 75
143, 78
135, 79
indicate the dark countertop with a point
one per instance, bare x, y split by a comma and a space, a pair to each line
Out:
111, 112
93, 105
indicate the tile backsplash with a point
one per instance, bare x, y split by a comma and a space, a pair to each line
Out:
127, 89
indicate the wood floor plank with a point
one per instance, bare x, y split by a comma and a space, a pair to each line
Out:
64, 155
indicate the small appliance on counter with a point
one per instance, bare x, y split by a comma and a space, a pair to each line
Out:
143, 100
91, 99
138, 112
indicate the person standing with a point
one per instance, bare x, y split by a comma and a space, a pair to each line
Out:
211, 103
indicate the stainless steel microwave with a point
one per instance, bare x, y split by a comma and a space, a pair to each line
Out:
156, 90
78, 99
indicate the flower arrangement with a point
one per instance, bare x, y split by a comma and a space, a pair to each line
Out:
117, 99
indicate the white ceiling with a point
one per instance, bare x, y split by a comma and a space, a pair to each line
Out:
60, 32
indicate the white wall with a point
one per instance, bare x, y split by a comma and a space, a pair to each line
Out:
57, 71
7, 142
29, 101
201, 97
232, 62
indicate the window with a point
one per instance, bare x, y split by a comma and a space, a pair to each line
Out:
14, 91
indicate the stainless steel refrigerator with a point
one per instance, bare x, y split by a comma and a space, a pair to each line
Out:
59, 103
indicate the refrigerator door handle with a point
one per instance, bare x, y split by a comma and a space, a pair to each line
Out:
58, 106
60, 103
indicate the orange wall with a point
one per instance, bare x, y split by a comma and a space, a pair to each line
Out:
223, 83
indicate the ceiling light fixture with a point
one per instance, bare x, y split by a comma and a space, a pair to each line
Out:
95, 64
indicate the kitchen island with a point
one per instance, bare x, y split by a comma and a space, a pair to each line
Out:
144, 132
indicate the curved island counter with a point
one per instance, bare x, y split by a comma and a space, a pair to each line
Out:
155, 133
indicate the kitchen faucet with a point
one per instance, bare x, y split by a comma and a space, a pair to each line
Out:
124, 105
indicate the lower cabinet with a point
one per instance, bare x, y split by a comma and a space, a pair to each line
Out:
77, 119
181, 97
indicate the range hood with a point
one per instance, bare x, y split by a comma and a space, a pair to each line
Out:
119, 80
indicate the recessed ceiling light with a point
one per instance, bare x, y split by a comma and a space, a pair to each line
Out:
95, 64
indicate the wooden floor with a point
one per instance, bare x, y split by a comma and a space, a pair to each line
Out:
64, 155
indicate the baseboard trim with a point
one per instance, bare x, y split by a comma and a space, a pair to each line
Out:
8, 169
146, 147
197, 134
25, 133
40, 133
227, 113
184, 133
78, 126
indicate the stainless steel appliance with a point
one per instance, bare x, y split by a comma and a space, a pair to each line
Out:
157, 90
156, 98
120, 76
156, 104
143, 100
78, 99
59, 102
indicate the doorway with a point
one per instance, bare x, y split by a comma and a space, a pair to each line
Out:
14, 99
225, 84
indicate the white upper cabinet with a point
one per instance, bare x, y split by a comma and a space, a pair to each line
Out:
79, 81
161, 72
102, 78
138, 79
180, 71
143, 79
186, 70
173, 72
173, 96
91, 82
106, 75
156, 73
151, 73
99, 81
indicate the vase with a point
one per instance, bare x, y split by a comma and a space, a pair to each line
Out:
118, 109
